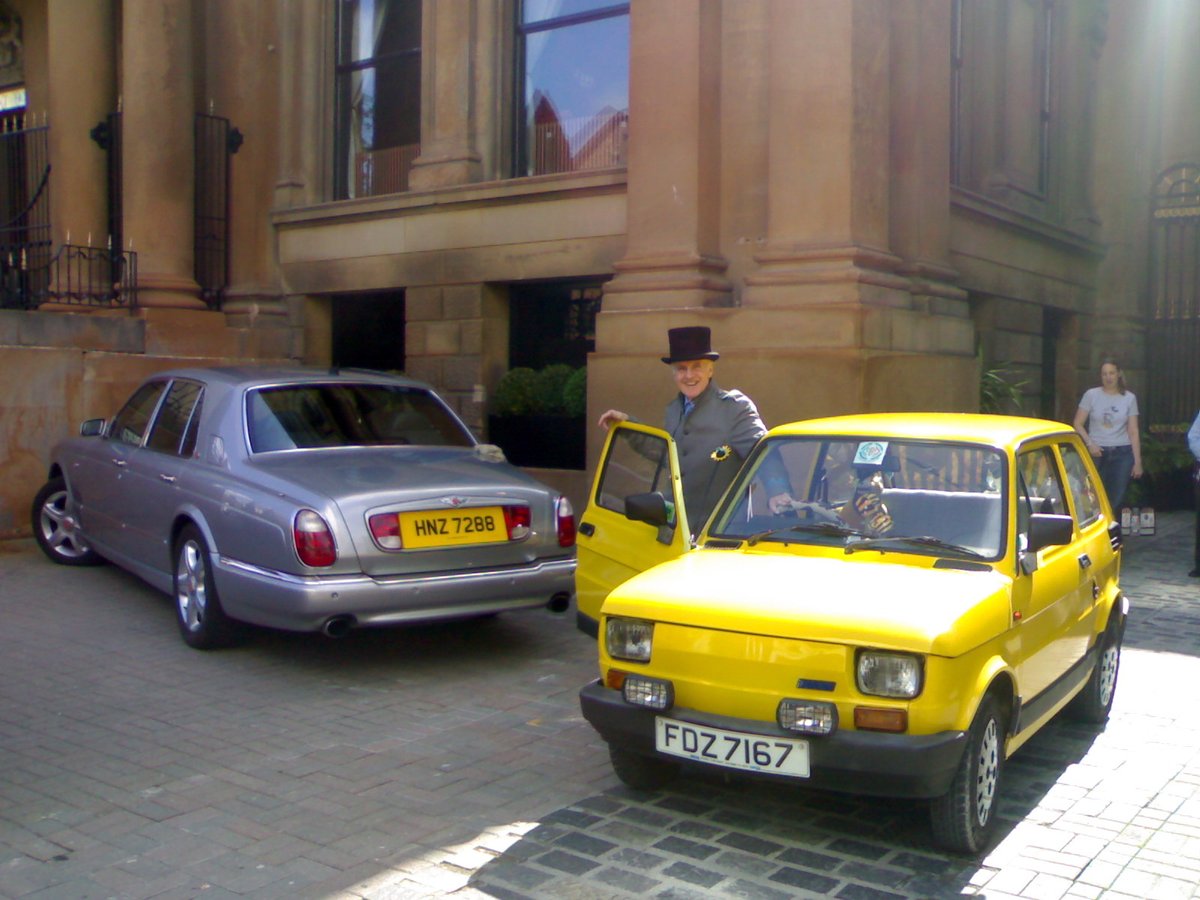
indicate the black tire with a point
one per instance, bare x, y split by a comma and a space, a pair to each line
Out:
1094, 702
55, 527
203, 624
643, 773
964, 819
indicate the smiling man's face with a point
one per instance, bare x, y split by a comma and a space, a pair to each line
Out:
692, 376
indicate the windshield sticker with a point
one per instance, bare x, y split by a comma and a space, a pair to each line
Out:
870, 453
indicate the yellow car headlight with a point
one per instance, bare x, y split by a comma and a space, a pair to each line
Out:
630, 639
883, 674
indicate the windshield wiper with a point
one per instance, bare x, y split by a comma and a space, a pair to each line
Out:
878, 543
832, 528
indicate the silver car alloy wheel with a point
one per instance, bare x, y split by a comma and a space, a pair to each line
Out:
987, 770
58, 527
191, 594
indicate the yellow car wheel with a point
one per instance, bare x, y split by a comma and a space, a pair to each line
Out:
964, 818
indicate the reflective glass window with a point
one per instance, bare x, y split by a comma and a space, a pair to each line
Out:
377, 95
573, 69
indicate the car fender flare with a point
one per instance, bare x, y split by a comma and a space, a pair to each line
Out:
189, 515
1119, 607
995, 677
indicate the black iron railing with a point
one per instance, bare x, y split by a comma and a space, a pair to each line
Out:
75, 276
215, 142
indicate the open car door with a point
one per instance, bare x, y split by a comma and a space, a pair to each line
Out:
634, 519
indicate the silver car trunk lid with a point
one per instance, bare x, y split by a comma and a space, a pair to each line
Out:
364, 481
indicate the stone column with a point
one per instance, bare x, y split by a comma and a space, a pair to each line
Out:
829, 97
241, 78
448, 108
305, 103
80, 61
673, 256
919, 202
157, 121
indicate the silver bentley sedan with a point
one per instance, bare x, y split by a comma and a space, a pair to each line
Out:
304, 500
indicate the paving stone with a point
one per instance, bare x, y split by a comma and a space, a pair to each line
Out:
358, 768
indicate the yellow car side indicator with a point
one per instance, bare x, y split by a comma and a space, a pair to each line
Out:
870, 718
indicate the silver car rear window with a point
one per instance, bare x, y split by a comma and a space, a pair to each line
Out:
306, 416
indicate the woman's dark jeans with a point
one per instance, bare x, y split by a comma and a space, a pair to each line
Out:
1116, 468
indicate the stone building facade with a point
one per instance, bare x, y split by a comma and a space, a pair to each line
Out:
867, 200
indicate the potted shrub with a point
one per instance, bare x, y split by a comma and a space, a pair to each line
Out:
537, 417
1166, 481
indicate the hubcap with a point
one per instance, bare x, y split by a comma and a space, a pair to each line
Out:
1108, 673
58, 526
987, 773
189, 586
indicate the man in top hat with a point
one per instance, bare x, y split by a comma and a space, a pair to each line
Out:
714, 430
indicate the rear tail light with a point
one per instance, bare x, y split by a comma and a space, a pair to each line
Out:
517, 520
313, 539
566, 523
385, 528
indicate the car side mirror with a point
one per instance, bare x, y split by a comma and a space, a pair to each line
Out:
92, 428
651, 508
1046, 530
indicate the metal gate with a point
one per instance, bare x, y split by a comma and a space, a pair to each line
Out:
24, 211
1173, 334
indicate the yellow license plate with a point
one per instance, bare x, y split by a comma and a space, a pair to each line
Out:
447, 528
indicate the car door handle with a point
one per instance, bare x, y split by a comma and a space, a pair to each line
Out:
1085, 561
118, 462
169, 479
587, 529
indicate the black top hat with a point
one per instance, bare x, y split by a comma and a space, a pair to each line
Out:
693, 342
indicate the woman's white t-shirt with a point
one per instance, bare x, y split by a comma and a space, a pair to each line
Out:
1108, 416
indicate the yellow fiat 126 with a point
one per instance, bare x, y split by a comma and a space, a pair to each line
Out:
880, 604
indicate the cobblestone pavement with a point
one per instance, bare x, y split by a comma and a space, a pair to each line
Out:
452, 760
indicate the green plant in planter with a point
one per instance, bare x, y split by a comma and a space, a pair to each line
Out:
515, 394
996, 393
1166, 470
548, 389
575, 393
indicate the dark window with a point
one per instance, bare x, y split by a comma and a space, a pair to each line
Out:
573, 85
340, 415
178, 409
378, 95
368, 331
130, 423
552, 322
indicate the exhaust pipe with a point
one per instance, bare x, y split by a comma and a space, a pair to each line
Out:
338, 626
559, 603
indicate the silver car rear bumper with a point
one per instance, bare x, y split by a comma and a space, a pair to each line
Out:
306, 603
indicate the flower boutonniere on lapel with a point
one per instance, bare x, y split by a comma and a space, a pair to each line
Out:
721, 454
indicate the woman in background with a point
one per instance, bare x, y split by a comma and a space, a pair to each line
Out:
1107, 419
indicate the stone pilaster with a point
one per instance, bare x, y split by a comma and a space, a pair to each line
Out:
158, 159
828, 156
673, 257
448, 107
80, 54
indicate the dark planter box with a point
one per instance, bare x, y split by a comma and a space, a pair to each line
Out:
1171, 490
541, 442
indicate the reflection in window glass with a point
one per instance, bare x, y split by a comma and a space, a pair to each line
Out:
947, 496
174, 417
378, 95
636, 464
574, 65
1082, 488
130, 423
340, 415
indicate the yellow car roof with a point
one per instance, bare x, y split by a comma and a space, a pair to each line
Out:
998, 431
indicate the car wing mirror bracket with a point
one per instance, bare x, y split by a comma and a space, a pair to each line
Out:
1045, 530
